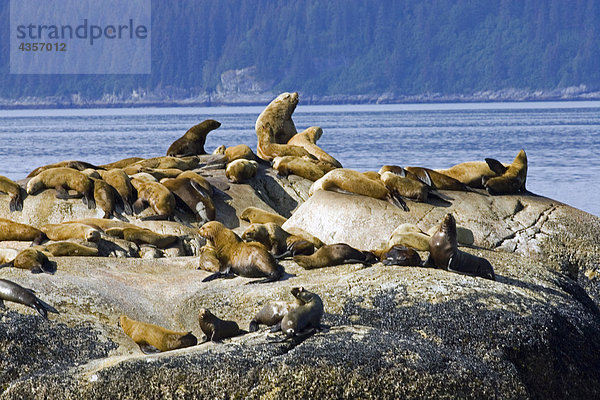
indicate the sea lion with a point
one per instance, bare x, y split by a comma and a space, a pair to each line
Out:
141, 236
199, 179
144, 177
208, 260
256, 215
166, 162
270, 314
189, 195
70, 249
278, 115
444, 253
267, 150
438, 180
241, 170
157, 196
14, 191
405, 187
308, 139
192, 142
157, 173
220, 150
64, 179
298, 166
470, 173
351, 181
301, 233
11, 291
215, 328
464, 235
121, 163
73, 164
32, 259
238, 152
71, 230
510, 179
106, 198
305, 318
335, 254
250, 260
279, 242
121, 182
399, 255
102, 224
153, 338
10, 230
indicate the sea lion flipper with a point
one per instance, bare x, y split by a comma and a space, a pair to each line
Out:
47, 307
287, 253
148, 348
199, 188
16, 204
219, 275
426, 179
496, 166
398, 201
139, 205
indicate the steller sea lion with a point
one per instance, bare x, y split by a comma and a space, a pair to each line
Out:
510, 179
11, 291
208, 260
106, 198
444, 253
399, 255
199, 179
305, 318
250, 260
308, 139
189, 195
239, 151
299, 166
77, 165
64, 179
70, 249
241, 170
260, 216
470, 173
278, 115
215, 328
438, 180
301, 233
32, 259
192, 142
120, 181
141, 236
157, 196
405, 187
71, 230
165, 162
279, 242
121, 163
335, 254
267, 150
10, 230
153, 338
14, 191
270, 314
409, 235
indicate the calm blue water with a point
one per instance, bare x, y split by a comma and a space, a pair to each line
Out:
562, 139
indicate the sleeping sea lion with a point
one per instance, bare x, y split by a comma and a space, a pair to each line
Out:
260, 216
153, 338
270, 314
189, 195
120, 181
335, 254
299, 166
11, 291
157, 196
71, 230
10, 230
32, 259
74, 164
241, 170
279, 242
64, 179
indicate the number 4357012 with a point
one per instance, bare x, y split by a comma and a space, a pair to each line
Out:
25, 46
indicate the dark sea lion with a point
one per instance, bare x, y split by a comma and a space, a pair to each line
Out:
250, 260
64, 179
241, 170
153, 338
10, 291
106, 198
74, 164
510, 179
190, 196
399, 255
308, 139
270, 314
32, 259
192, 142
10, 230
305, 318
260, 216
279, 242
335, 254
217, 329
14, 191
444, 253
157, 196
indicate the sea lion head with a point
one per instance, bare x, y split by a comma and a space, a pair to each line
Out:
34, 185
210, 230
448, 226
255, 233
314, 133
92, 235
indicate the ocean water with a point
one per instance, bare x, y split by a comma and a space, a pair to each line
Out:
562, 139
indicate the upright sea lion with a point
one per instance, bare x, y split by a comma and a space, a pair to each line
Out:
241, 170
279, 242
351, 181
77, 165
157, 196
271, 314
215, 328
444, 253
120, 181
14, 191
190, 195
32, 259
192, 142
305, 318
335, 254
153, 338
11, 291
71, 230
260, 216
299, 166
278, 115
308, 139
64, 179
511, 179
236, 257
10, 230
121, 163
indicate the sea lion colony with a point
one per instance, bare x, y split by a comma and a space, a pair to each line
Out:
177, 188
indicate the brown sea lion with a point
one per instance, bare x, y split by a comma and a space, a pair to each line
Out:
70, 249
71, 230
301, 233
102, 224
215, 328
250, 260
155, 195
208, 260
166, 162
241, 170
64, 179
298, 166
73, 164
267, 150
308, 139
270, 314
279, 242
350, 181
141, 236
14, 191
153, 338
199, 179
409, 235
10, 230
335, 254
32, 259
444, 253
438, 180
120, 181
399, 255
191, 196
11, 291
278, 115
121, 163
510, 179
260, 216
192, 142
238, 152
470, 173
405, 187
305, 318
106, 198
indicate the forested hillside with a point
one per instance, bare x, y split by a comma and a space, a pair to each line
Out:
325, 47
